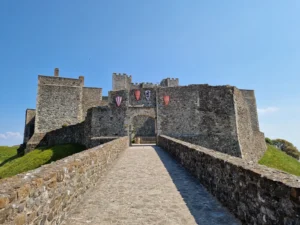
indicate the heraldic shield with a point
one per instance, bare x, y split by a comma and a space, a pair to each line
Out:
166, 99
148, 94
118, 100
137, 94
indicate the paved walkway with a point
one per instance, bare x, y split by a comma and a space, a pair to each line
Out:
146, 186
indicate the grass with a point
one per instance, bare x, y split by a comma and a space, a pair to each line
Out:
277, 159
13, 164
7, 153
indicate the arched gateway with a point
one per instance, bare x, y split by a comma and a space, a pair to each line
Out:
143, 127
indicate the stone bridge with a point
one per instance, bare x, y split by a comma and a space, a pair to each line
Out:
172, 183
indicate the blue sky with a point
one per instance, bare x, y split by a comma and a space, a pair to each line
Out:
250, 44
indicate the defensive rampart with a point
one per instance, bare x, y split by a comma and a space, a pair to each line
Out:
254, 193
45, 195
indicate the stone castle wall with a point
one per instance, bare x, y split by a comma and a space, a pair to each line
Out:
251, 141
29, 124
74, 134
46, 194
249, 97
200, 114
124, 82
223, 118
58, 103
92, 97
61, 102
216, 117
170, 82
121, 82
143, 85
70, 134
143, 126
132, 102
254, 193
109, 120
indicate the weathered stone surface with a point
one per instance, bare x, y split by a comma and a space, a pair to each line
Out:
59, 100
146, 186
4, 200
45, 194
144, 126
23, 191
251, 140
254, 193
20, 219
29, 124
91, 97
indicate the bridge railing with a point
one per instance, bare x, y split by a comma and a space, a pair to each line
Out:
256, 194
47, 193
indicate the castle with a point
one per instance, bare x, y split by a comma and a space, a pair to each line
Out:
223, 118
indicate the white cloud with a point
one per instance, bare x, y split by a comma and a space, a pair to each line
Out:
267, 110
11, 135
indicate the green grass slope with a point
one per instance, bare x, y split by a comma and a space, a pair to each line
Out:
277, 159
7, 153
14, 165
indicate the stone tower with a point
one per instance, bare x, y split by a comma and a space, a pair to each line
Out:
121, 81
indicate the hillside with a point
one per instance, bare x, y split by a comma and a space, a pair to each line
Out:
278, 159
11, 164
7, 153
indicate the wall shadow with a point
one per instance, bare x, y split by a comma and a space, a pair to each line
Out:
9, 159
202, 205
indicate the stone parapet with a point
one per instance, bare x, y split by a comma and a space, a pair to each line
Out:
45, 195
60, 81
254, 193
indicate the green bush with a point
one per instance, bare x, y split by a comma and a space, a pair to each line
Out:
287, 147
269, 141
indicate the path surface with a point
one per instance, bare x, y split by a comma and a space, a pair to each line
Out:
146, 186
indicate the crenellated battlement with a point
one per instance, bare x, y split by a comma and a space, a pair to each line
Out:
143, 85
121, 81
169, 82
122, 74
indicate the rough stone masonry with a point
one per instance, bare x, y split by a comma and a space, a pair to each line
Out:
223, 118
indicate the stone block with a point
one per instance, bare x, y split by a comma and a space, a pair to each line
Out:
4, 200
20, 219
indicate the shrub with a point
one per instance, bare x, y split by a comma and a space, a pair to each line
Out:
287, 147
269, 141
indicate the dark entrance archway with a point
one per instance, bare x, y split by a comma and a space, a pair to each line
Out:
143, 129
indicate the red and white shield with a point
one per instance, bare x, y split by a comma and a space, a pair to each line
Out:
166, 99
137, 94
118, 100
